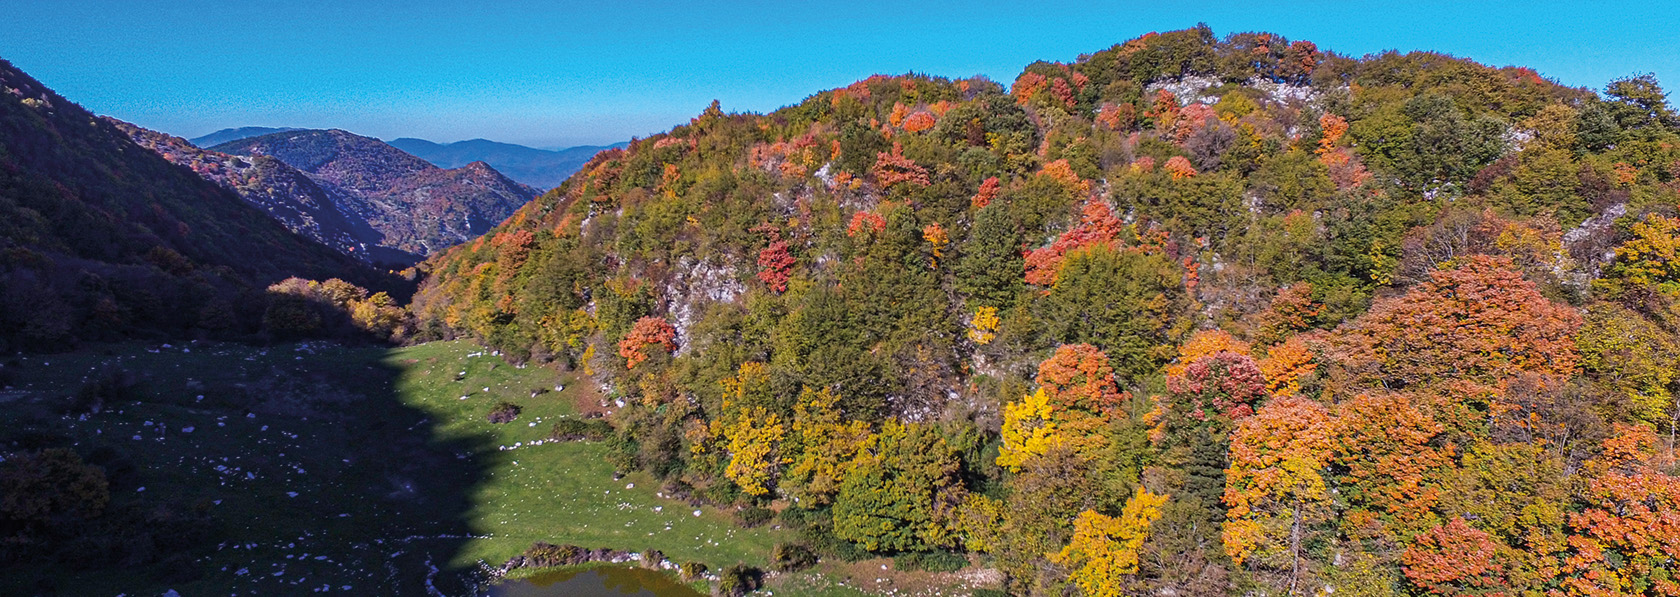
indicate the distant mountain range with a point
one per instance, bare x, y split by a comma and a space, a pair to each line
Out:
244, 132
539, 168
397, 200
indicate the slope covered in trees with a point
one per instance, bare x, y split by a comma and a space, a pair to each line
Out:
101, 238
1189, 315
406, 203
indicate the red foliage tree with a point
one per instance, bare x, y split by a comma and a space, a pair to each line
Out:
988, 192
647, 331
1079, 377
1097, 225
1225, 382
1299, 60
777, 265
894, 169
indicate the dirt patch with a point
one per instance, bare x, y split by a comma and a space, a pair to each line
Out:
877, 576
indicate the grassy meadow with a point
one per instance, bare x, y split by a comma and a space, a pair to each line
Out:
349, 470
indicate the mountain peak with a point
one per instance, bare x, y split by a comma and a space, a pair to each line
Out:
413, 205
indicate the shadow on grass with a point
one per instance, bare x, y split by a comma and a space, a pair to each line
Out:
237, 470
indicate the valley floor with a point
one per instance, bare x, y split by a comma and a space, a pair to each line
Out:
324, 468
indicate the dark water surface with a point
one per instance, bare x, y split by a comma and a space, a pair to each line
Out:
595, 582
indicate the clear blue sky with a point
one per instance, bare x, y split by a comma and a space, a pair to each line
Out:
565, 73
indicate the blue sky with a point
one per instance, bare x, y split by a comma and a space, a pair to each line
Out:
567, 73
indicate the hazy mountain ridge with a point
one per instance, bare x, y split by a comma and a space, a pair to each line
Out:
235, 134
540, 168
414, 206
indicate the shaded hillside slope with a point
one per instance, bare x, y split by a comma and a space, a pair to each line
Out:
414, 206
284, 192
103, 238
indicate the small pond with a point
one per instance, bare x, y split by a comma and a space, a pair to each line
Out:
594, 582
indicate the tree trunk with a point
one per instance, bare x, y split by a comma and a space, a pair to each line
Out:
1295, 548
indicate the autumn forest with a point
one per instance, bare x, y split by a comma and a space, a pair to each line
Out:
1190, 315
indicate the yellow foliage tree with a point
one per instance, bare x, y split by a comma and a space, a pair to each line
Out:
755, 441
827, 446
1028, 430
982, 328
1104, 549
1652, 256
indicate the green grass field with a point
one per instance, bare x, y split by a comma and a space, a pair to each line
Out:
346, 470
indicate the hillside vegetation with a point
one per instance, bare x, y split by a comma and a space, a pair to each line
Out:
1189, 315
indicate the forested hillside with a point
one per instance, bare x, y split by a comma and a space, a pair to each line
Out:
1187, 316
102, 239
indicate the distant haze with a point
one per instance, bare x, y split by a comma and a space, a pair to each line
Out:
540, 168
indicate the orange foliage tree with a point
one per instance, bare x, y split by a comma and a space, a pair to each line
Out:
1626, 541
1275, 488
1079, 377
1392, 472
919, 121
1179, 167
893, 169
1457, 559
1478, 322
1097, 225
1076, 396
647, 331
988, 191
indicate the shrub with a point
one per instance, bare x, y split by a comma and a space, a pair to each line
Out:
739, 580
754, 517
112, 385
652, 557
504, 412
791, 557
548, 555
692, 570
571, 430
934, 561
989, 593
